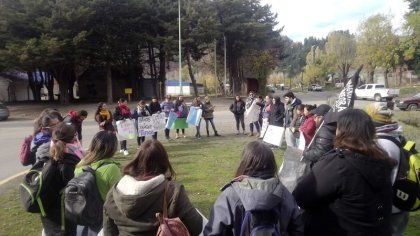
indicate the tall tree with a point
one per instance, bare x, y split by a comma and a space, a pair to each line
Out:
376, 44
341, 50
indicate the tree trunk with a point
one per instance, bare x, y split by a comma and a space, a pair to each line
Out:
162, 71
50, 86
188, 56
386, 78
108, 83
370, 77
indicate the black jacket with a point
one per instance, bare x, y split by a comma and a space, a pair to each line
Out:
154, 108
276, 117
322, 143
237, 107
76, 123
346, 193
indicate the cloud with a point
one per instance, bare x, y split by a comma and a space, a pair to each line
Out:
302, 18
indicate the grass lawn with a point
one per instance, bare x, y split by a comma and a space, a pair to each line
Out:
203, 166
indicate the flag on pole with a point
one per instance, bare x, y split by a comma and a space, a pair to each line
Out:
347, 95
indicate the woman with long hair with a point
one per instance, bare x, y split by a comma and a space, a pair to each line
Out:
198, 105
181, 109
103, 116
99, 157
66, 161
122, 112
276, 117
255, 188
238, 110
141, 111
208, 110
131, 205
348, 191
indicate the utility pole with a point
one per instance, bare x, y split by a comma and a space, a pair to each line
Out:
224, 40
179, 48
215, 66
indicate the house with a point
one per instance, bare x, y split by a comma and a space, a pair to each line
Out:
14, 86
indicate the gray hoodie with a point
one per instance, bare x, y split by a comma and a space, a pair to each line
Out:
253, 194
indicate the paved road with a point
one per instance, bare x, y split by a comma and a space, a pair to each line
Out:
19, 125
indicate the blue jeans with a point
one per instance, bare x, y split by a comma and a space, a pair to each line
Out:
399, 223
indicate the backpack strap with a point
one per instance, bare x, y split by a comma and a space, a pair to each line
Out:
165, 203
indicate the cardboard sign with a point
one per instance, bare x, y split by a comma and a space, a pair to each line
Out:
252, 113
126, 129
158, 121
292, 168
301, 143
194, 116
145, 126
274, 135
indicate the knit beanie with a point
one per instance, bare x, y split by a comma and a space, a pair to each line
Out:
379, 113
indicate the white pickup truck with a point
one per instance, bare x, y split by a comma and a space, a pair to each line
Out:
378, 92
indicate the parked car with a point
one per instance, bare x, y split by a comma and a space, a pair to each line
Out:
315, 87
4, 112
378, 92
409, 103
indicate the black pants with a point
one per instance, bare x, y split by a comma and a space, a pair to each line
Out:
240, 118
183, 131
197, 129
212, 125
123, 145
257, 126
154, 136
140, 140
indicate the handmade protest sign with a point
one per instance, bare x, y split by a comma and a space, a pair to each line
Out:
145, 126
194, 116
158, 121
126, 129
264, 127
274, 135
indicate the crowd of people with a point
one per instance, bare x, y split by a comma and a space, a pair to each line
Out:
346, 191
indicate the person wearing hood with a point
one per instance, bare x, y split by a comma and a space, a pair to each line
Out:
256, 187
76, 119
349, 192
386, 130
44, 126
323, 139
131, 205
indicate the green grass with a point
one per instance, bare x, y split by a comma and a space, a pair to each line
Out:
203, 166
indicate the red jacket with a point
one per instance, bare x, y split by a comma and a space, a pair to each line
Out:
308, 128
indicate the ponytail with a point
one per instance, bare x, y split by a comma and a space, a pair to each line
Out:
57, 150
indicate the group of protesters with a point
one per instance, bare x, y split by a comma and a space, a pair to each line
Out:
346, 191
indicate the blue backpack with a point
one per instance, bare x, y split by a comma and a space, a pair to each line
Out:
261, 223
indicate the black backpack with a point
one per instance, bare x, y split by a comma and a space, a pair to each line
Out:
38, 188
82, 200
261, 223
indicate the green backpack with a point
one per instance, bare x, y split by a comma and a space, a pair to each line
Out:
406, 187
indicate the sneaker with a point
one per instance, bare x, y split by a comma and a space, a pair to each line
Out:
237, 133
121, 151
177, 136
125, 153
184, 135
251, 134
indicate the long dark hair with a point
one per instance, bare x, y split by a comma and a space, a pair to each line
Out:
151, 160
99, 107
257, 158
356, 132
44, 118
103, 145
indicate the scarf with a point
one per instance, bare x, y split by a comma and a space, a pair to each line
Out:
106, 114
125, 112
74, 148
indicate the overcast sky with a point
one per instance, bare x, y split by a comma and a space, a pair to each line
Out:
304, 18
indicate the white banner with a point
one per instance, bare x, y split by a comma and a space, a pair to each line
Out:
264, 127
126, 129
301, 144
194, 116
274, 135
292, 168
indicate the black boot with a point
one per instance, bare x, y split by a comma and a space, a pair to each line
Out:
208, 134
216, 134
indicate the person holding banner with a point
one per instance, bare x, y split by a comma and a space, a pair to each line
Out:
252, 113
154, 108
122, 112
197, 104
167, 106
181, 109
238, 110
208, 110
141, 111
349, 190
